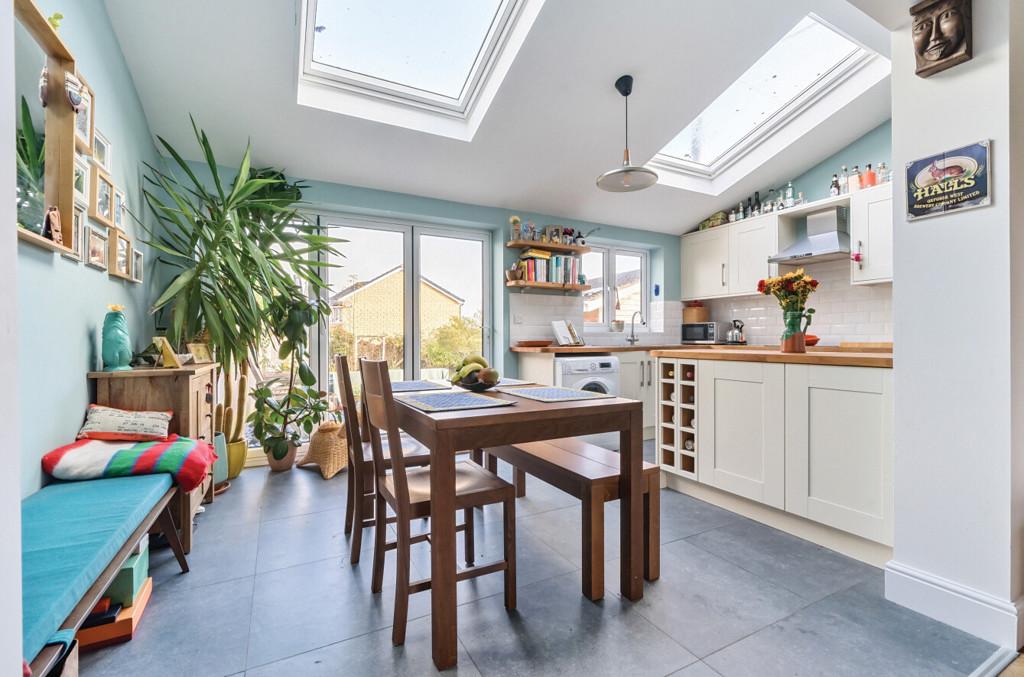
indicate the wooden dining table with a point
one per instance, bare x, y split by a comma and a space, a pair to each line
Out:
448, 432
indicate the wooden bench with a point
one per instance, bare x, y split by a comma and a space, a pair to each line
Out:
591, 474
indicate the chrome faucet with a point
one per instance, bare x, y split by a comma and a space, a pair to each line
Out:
633, 339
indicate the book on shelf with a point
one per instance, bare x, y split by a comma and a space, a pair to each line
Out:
557, 269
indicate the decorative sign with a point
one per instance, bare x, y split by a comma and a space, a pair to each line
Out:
954, 180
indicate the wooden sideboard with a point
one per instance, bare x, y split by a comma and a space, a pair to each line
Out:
191, 393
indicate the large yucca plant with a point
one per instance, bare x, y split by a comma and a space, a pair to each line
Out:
236, 249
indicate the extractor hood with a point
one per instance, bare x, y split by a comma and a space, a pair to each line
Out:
826, 239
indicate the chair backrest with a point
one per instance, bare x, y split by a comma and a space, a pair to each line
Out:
379, 404
348, 407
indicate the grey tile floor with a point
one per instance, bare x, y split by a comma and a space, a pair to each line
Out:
271, 593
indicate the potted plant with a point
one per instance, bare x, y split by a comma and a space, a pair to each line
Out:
792, 291
280, 419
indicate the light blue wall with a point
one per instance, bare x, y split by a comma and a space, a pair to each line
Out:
873, 147
61, 303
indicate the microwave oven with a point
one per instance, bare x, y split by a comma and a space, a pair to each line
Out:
700, 332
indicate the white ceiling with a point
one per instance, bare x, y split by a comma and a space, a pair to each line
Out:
555, 124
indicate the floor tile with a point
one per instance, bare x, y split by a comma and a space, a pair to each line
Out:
809, 570
698, 669
199, 631
706, 603
558, 632
218, 554
304, 538
302, 491
369, 655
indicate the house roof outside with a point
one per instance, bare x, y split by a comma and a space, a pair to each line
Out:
623, 279
340, 296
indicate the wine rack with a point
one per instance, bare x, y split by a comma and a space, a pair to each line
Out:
677, 416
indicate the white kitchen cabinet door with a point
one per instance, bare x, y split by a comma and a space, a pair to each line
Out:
741, 429
871, 234
633, 375
751, 242
704, 259
839, 448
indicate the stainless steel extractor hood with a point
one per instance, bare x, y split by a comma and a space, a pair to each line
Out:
827, 239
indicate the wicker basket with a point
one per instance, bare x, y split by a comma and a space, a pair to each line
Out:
328, 449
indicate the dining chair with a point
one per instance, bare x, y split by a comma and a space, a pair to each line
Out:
361, 483
407, 491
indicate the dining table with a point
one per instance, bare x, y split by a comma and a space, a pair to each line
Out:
446, 433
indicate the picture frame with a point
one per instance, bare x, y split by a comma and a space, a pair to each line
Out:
951, 181
200, 353
170, 359
96, 246
81, 180
120, 208
120, 263
138, 266
85, 119
101, 150
76, 248
101, 200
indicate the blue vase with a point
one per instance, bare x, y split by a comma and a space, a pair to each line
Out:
117, 345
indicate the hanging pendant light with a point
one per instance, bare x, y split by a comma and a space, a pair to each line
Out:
628, 177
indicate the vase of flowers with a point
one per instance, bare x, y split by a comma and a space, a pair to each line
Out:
792, 291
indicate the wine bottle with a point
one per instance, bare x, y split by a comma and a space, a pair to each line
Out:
739, 211
789, 194
749, 209
833, 188
844, 181
757, 203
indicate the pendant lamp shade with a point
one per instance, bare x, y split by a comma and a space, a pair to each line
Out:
628, 177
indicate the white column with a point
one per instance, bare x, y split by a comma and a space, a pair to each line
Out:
958, 312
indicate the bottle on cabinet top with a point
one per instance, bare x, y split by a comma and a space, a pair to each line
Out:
844, 181
757, 203
789, 194
854, 181
834, 188
869, 178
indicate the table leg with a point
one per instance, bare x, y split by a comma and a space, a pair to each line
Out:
443, 618
631, 448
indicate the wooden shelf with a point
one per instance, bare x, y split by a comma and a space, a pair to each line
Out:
547, 285
547, 246
40, 241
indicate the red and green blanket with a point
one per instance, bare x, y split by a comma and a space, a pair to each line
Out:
186, 459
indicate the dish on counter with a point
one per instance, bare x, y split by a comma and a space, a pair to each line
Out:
811, 340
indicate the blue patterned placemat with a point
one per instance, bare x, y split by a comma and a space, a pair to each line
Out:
411, 386
451, 401
554, 394
514, 382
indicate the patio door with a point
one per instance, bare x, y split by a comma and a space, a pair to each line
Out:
418, 297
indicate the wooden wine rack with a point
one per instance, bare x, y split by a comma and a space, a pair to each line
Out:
677, 416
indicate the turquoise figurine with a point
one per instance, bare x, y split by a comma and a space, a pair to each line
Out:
117, 346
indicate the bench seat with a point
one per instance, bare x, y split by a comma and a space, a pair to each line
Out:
70, 534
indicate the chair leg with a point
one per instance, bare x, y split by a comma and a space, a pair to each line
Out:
508, 513
478, 456
652, 529
166, 523
492, 463
469, 535
350, 500
401, 583
358, 516
520, 482
380, 529
593, 545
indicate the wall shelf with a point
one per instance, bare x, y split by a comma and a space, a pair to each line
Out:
557, 286
40, 241
547, 246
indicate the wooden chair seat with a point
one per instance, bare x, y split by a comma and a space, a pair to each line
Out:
591, 474
414, 452
474, 486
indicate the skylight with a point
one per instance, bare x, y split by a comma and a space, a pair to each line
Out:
430, 46
806, 60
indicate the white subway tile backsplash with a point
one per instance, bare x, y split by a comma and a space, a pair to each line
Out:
531, 316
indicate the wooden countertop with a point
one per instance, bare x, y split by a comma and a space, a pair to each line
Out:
146, 372
569, 350
824, 355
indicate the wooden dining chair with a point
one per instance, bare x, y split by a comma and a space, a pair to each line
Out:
407, 491
361, 484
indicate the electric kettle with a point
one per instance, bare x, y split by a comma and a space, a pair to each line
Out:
735, 335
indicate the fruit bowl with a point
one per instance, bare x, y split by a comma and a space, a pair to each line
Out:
476, 386
474, 374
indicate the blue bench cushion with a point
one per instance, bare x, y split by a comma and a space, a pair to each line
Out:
69, 533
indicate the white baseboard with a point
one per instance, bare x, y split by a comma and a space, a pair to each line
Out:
973, 611
995, 663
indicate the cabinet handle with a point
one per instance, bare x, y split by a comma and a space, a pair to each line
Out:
723, 274
858, 256
641, 374
650, 372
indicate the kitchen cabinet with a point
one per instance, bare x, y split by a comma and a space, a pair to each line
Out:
636, 382
751, 242
704, 259
741, 429
871, 234
839, 448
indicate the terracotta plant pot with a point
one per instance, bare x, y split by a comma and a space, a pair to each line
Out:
284, 464
236, 458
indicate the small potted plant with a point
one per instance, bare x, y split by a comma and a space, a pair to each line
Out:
279, 420
792, 291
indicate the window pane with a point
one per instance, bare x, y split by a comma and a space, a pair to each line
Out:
629, 286
593, 300
451, 303
367, 303
802, 57
430, 46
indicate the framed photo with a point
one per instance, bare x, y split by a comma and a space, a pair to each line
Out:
200, 353
78, 234
171, 360
85, 120
137, 265
96, 248
101, 202
101, 150
952, 181
120, 255
81, 180
120, 209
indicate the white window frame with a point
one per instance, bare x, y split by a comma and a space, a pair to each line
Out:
608, 276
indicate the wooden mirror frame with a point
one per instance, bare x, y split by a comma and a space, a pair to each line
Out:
98, 176
59, 126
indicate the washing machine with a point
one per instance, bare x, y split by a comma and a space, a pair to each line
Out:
596, 373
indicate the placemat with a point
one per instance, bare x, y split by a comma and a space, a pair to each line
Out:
451, 401
554, 394
514, 382
411, 386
